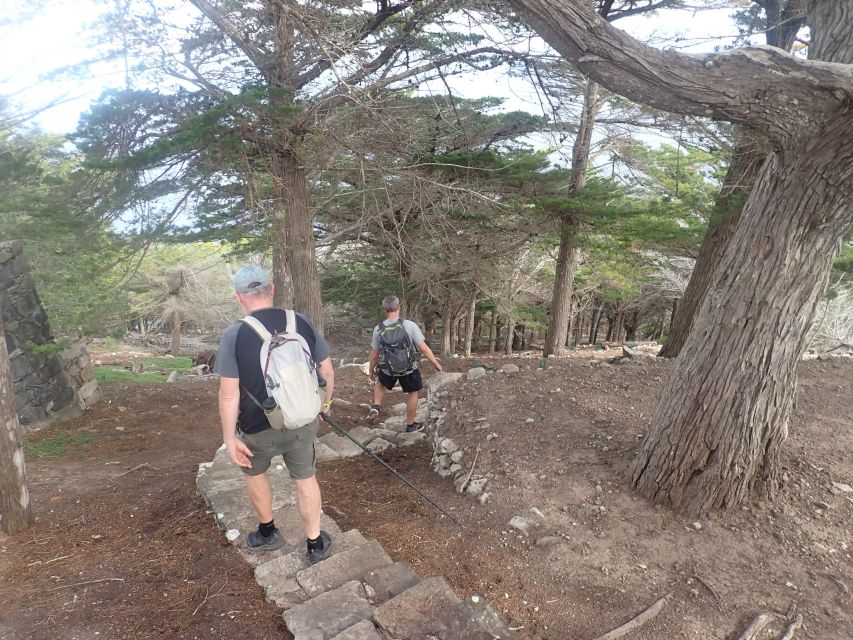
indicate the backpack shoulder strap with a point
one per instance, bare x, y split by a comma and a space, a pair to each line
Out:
258, 327
290, 321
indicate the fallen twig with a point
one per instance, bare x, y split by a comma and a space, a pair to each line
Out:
760, 621
638, 621
707, 586
471, 472
792, 628
136, 468
836, 580
78, 584
207, 596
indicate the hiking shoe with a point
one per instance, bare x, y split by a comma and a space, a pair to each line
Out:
373, 416
316, 555
414, 427
258, 543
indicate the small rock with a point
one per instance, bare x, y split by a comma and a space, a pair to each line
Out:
791, 585
119, 428
476, 372
456, 456
530, 420
232, 534
536, 512
591, 509
843, 487
520, 524
547, 541
483, 498
476, 486
448, 446
510, 368
491, 436
601, 420
697, 526
455, 467
172, 377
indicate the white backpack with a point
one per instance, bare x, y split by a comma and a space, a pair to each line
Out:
290, 375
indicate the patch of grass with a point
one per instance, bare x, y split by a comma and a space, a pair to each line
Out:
115, 374
55, 447
177, 363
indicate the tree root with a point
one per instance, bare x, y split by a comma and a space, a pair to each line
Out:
792, 628
640, 620
752, 631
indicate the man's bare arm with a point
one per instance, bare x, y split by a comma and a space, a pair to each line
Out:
423, 347
229, 408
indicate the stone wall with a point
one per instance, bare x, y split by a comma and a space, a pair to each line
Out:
43, 391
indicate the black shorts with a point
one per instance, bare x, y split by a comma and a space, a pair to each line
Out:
408, 383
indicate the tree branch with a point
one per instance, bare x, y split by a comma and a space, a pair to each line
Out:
762, 87
256, 55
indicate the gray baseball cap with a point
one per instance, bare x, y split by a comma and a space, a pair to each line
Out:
251, 278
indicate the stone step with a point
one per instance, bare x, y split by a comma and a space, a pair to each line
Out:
384, 583
421, 610
364, 630
431, 608
333, 611
344, 447
288, 522
285, 566
342, 567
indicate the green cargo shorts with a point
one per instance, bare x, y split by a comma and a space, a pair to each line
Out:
295, 446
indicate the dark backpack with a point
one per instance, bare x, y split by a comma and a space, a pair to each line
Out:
397, 353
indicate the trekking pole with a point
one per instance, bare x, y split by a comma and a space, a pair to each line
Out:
337, 428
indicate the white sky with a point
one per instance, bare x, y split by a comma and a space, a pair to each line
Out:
58, 36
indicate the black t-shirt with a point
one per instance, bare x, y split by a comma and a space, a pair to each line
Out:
239, 357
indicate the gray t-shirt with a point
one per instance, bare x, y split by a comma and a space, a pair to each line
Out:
414, 332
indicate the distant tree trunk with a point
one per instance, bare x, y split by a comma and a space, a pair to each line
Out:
673, 313
579, 322
561, 300
593, 330
631, 327
447, 331
469, 324
293, 210
176, 322
611, 325
14, 497
744, 167
509, 328
493, 331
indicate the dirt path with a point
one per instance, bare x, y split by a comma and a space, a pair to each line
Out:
163, 570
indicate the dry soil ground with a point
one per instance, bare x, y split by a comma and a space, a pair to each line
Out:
123, 548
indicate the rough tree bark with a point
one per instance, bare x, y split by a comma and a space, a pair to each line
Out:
784, 20
447, 331
15, 512
561, 301
723, 414
746, 162
509, 328
294, 214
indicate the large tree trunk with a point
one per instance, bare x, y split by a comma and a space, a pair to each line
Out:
293, 211
14, 498
723, 414
744, 167
561, 300
631, 327
280, 270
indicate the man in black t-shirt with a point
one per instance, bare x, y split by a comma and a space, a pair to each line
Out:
247, 433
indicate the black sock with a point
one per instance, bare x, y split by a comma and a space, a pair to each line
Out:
266, 528
411, 425
314, 543
377, 407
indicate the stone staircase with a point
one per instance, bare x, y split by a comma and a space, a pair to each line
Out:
358, 592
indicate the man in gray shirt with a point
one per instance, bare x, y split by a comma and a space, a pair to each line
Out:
394, 358
246, 430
